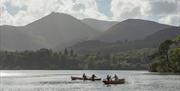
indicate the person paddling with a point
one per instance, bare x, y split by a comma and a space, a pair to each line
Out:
116, 77
93, 77
84, 76
108, 78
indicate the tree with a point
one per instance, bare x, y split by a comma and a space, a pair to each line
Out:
177, 41
71, 53
175, 57
168, 57
66, 52
164, 48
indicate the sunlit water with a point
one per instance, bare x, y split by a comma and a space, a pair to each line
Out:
60, 81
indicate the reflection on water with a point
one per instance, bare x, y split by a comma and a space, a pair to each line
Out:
60, 81
9, 73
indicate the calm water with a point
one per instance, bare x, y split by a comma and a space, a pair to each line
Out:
60, 81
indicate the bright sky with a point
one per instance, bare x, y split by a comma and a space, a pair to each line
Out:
22, 12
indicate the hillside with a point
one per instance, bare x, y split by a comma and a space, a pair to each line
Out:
151, 41
99, 24
165, 34
17, 38
131, 29
56, 30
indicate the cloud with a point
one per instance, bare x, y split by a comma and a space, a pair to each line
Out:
164, 11
78, 7
171, 19
81, 8
125, 9
13, 10
163, 7
37, 9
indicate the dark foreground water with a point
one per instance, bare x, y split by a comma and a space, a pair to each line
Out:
60, 81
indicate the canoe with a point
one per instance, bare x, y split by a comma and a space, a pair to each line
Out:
76, 78
80, 78
120, 81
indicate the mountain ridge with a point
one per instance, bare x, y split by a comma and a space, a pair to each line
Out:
131, 29
100, 25
55, 29
59, 30
151, 41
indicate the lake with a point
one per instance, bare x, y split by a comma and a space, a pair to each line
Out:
59, 80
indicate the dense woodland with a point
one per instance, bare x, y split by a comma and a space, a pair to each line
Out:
167, 59
68, 59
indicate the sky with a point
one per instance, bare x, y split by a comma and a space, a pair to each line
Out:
23, 12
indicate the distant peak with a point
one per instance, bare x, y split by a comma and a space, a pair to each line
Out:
54, 13
89, 19
57, 14
136, 20
139, 20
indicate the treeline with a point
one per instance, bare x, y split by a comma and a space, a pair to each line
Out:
40, 59
46, 59
167, 59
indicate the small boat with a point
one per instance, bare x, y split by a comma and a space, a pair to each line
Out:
80, 78
76, 78
120, 81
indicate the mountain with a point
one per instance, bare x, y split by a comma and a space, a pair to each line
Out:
165, 34
99, 24
151, 41
58, 30
55, 30
131, 29
61, 28
17, 38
